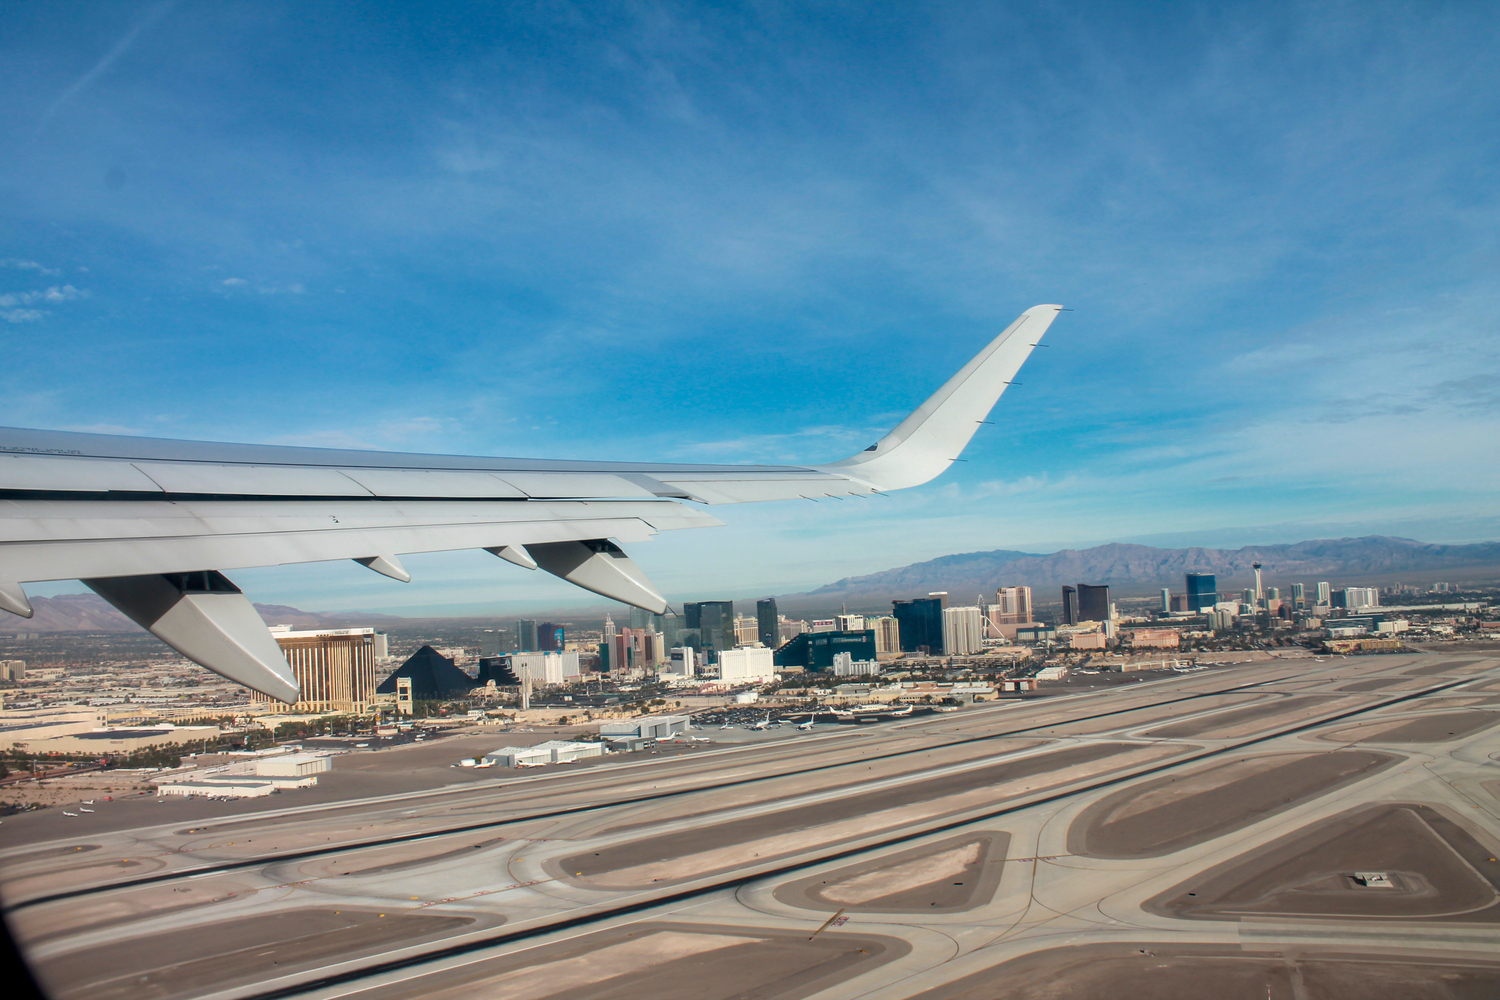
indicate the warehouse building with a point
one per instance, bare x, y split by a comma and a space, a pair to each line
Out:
647, 727
520, 756
550, 752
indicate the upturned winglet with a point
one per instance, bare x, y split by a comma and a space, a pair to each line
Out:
935, 434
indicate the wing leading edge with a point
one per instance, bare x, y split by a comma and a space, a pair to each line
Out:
137, 518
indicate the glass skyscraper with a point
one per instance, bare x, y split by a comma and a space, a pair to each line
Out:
644, 621
766, 623
1093, 603
526, 636
920, 622
1202, 591
1070, 606
714, 623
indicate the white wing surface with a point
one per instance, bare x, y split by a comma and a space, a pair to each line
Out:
150, 524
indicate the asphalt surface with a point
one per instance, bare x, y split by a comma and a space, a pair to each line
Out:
1199, 834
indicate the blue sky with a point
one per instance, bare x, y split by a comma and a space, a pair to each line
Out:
763, 233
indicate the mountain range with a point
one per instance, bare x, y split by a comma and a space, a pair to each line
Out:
1365, 561
1340, 561
90, 613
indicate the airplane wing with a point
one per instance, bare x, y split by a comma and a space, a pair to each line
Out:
150, 524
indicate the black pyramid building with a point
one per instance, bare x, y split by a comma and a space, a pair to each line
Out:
433, 676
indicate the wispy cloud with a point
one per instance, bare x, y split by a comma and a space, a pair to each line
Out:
153, 14
15, 307
63, 293
29, 265
1477, 393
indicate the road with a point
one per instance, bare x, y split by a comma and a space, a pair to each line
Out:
1300, 829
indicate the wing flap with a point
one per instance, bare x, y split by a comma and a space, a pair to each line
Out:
46, 473
573, 485
250, 480
434, 484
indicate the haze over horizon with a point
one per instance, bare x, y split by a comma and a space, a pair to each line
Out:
1130, 570
765, 235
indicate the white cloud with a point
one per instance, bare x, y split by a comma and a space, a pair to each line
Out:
56, 293
296, 288
1016, 487
23, 315
28, 265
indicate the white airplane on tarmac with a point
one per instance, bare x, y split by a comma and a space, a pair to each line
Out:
807, 726
763, 723
150, 525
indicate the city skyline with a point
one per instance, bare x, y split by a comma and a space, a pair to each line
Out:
645, 215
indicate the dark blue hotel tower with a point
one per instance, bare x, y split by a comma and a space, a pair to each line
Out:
1202, 591
921, 624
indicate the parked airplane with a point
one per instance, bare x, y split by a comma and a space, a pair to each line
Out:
763, 723
150, 525
807, 726
66, 813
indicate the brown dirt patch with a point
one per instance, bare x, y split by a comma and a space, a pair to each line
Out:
1168, 813
1423, 729
1438, 869
1149, 971
222, 954
1238, 721
949, 876
664, 961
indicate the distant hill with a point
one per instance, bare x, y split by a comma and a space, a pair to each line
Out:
1127, 568
1340, 560
90, 613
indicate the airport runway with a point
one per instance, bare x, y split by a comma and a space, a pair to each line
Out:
1300, 829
